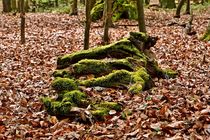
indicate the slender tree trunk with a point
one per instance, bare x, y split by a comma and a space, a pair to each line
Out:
93, 2
6, 6
87, 24
19, 5
188, 7
179, 7
56, 3
141, 20
33, 5
108, 20
74, 10
22, 26
13, 5
26, 5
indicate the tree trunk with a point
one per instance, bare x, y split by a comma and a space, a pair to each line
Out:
87, 24
179, 7
13, 5
168, 4
93, 2
56, 3
22, 26
33, 5
188, 7
141, 20
108, 20
74, 10
26, 6
6, 6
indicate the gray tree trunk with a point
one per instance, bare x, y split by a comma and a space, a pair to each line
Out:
187, 7
179, 7
74, 10
6, 6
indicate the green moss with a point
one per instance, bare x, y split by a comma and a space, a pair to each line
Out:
121, 49
98, 67
101, 67
61, 84
206, 36
168, 73
121, 78
141, 75
100, 113
75, 97
97, 11
57, 107
122, 9
115, 79
46, 101
109, 105
64, 73
135, 88
139, 36
102, 109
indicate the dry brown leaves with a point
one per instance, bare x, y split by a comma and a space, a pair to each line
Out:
175, 109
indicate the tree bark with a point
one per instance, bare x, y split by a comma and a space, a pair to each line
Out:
13, 5
56, 3
179, 7
6, 6
22, 26
108, 20
141, 20
87, 24
33, 5
74, 8
26, 5
187, 7
93, 2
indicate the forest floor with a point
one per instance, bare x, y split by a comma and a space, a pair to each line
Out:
175, 109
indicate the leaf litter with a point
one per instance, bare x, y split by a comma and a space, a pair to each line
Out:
175, 109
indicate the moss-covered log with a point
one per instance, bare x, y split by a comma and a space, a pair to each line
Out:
100, 67
122, 9
121, 49
128, 47
137, 80
121, 64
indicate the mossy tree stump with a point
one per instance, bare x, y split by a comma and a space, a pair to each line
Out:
120, 64
122, 9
